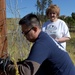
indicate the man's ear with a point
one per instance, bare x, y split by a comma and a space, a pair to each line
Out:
35, 28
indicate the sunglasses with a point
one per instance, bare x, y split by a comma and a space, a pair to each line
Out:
25, 33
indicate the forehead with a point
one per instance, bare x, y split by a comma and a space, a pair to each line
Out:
53, 10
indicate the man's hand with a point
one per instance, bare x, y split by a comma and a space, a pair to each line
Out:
4, 63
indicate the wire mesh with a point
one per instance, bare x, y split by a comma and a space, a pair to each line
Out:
18, 46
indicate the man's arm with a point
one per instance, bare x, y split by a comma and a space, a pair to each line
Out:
26, 68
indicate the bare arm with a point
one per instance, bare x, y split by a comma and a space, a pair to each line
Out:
63, 39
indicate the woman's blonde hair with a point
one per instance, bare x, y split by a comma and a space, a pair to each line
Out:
53, 8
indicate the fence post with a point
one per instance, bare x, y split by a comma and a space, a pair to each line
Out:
3, 29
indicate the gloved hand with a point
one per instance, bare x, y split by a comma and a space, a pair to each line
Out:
1, 63
4, 63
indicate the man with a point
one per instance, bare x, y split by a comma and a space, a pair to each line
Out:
46, 57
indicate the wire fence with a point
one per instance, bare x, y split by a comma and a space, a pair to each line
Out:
17, 44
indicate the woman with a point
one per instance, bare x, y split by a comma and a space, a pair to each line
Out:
56, 27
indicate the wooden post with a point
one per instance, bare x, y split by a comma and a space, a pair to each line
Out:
3, 32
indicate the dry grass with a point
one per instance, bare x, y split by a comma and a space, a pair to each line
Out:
71, 47
72, 57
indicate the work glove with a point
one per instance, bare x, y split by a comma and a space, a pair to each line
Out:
5, 62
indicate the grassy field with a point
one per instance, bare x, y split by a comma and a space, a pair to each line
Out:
25, 49
71, 47
20, 49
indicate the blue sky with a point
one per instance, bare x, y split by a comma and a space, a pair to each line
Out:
28, 6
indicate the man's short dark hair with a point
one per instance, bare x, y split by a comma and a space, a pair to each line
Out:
29, 20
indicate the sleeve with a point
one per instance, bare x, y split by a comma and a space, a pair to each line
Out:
25, 68
66, 31
43, 28
39, 52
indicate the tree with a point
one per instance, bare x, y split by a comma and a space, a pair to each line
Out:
69, 20
49, 2
38, 7
73, 15
41, 7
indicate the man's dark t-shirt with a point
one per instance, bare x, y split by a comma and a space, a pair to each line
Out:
54, 59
